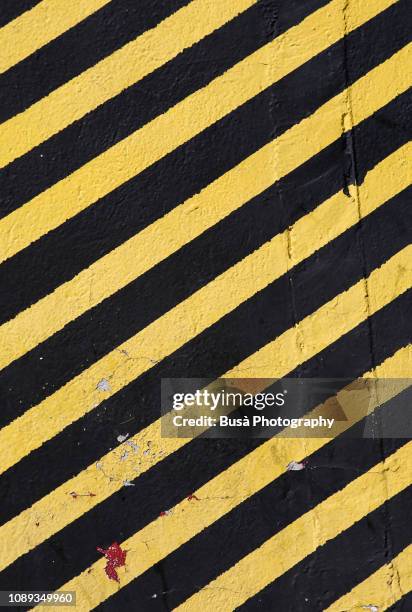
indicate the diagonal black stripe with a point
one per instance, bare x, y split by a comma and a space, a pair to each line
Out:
74, 548
342, 563
40, 268
79, 48
252, 325
244, 529
10, 9
153, 95
81, 343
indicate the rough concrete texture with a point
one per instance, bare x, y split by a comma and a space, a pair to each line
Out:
202, 188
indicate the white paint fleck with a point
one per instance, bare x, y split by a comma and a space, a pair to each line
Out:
295, 466
128, 483
103, 385
121, 438
133, 445
371, 608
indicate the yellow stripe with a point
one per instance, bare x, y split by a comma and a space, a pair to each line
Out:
37, 27
162, 135
176, 327
382, 589
110, 76
285, 549
104, 479
183, 224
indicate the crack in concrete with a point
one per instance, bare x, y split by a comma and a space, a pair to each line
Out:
351, 178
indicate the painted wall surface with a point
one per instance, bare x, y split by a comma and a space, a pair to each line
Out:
201, 188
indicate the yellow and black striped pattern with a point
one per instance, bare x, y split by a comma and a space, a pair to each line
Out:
200, 188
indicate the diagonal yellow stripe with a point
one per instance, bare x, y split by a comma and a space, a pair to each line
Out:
37, 27
285, 549
175, 328
220, 495
203, 108
319, 330
200, 212
382, 589
181, 225
113, 74
306, 236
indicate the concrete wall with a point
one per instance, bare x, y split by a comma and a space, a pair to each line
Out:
204, 188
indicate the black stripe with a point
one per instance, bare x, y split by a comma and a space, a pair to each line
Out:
10, 9
342, 563
79, 48
148, 98
74, 548
244, 529
252, 325
36, 375
43, 266
88, 338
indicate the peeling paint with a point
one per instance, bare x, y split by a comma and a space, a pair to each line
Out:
296, 466
121, 438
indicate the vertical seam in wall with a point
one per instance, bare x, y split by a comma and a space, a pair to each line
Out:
352, 191
274, 103
351, 180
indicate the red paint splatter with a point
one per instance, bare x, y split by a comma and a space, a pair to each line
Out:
116, 557
165, 513
192, 497
76, 495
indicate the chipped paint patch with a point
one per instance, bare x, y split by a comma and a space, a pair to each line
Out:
103, 385
296, 466
122, 438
